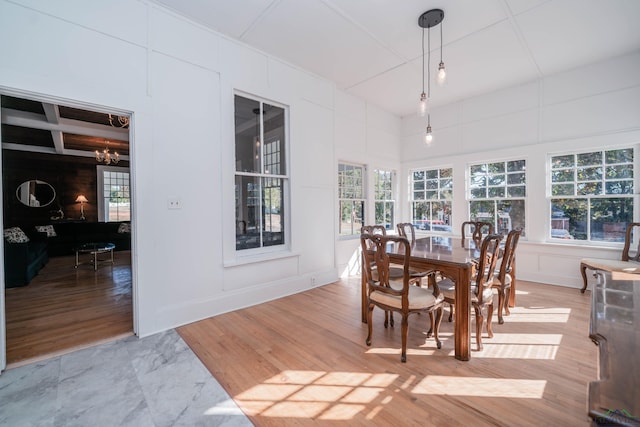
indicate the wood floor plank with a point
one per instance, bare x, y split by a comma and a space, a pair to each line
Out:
65, 308
302, 360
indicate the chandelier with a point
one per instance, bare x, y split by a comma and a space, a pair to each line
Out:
106, 156
119, 121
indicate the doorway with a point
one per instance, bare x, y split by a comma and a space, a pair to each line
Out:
48, 305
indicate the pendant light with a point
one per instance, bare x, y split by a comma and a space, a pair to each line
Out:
422, 105
442, 74
429, 19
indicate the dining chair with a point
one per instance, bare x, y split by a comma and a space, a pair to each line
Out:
477, 230
627, 260
504, 277
481, 282
405, 299
395, 272
406, 229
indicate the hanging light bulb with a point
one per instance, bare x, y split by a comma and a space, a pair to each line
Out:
442, 74
428, 136
422, 105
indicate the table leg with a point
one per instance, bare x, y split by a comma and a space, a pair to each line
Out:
95, 261
462, 337
76, 259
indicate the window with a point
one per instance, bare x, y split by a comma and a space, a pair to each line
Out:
592, 195
261, 177
350, 198
431, 198
497, 193
384, 200
114, 196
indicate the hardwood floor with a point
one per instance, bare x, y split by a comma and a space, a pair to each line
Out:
64, 308
302, 360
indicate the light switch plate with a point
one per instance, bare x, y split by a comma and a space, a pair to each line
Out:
174, 203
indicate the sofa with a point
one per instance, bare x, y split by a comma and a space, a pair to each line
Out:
66, 236
24, 256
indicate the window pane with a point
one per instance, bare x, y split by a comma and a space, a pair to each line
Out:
248, 215
496, 191
418, 185
510, 216
274, 140
563, 161
272, 204
569, 219
587, 159
619, 156
588, 188
497, 180
620, 171
351, 217
418, 195
247, 133
446, 173
518, 191
478, 193
516, 178
478, 181
418, 175
562, 190
562, 175
494, 168
482, 210
516, 166
619, 187
431, 174
432, 184
610, 218
589, 174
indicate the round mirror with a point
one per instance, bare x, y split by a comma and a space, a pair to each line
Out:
35, 193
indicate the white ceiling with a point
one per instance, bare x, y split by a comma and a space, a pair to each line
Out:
372, 48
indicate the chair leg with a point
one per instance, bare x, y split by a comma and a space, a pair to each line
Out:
451, 312
507, 295
436, 325
405, 333
583, 268
388, 318
430, 331
479, 322
489, 317
369, 323
501, 304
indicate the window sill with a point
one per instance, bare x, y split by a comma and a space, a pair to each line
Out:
257, 258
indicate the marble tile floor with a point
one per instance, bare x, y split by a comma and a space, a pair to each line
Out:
153, 381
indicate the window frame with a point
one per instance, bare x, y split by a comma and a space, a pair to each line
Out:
440, 190
386, 202
497, 199
263, 176
355, 232
588, 198
100, 170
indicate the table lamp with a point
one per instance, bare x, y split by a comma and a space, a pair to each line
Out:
82, 200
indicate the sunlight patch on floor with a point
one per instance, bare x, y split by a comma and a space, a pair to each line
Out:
481, 387
538, 315
316, 394
520, 346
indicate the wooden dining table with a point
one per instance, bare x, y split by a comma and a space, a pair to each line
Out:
447, 255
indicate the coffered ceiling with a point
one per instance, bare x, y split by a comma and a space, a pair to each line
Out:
39, 126
372, 48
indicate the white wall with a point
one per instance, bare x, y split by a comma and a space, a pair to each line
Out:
178, 80
364, 134
591, 107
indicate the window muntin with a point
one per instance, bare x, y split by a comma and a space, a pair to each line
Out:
591, 195
384, 198
261, 177
431, 196
497, 194
114, 194
351, 198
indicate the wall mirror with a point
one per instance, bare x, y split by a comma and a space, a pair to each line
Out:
36, 193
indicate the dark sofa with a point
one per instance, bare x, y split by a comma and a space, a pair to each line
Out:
70, 235
22, 261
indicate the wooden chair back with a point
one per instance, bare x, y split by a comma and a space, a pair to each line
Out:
476, 230
406, 229
489, 253
626, 255
508, 254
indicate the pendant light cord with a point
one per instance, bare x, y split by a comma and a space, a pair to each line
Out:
428, 64
422, 59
